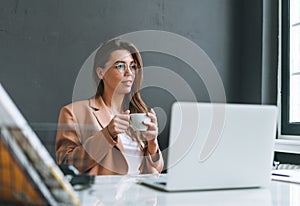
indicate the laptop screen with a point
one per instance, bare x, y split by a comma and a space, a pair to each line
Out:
28, 174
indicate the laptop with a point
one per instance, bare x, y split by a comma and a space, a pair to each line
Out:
28, 174
218, 146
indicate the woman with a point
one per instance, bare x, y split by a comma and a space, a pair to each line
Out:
96, 137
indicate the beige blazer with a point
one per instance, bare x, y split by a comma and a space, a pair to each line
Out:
83, 140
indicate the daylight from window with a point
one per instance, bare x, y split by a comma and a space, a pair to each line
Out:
294, 61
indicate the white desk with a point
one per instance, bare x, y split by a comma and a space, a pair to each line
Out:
125, 190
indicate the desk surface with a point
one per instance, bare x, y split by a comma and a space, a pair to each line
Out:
126, 190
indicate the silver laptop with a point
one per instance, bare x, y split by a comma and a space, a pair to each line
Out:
34, 178
218, 146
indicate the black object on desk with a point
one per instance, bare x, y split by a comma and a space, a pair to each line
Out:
75, 177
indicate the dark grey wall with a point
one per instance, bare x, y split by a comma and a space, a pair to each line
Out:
251, 51
44, 43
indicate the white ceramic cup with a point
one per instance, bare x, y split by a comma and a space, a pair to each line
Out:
136, 121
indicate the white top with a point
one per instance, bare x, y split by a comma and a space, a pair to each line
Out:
133, 154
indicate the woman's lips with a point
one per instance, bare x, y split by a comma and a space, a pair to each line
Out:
127, 82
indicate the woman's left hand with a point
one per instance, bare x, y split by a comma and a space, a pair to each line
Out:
152, 132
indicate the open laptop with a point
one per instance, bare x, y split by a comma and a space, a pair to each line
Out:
218, 146
28, 174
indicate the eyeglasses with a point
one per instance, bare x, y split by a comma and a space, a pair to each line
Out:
122, 66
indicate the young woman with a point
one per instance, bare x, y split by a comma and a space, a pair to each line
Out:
94, 135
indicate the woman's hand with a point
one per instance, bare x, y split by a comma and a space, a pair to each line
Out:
119, 124
151, 133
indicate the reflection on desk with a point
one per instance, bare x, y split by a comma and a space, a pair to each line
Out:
126, 190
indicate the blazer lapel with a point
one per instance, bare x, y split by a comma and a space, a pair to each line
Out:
101, 112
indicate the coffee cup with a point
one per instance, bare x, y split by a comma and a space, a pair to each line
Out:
137, 119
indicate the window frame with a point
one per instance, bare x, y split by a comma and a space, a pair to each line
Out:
288, 138
287, 128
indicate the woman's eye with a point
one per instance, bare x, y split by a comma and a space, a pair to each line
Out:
120, 66
133, 66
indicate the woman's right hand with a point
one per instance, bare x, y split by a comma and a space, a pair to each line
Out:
119, 124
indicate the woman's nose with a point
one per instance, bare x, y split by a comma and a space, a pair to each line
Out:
128, 71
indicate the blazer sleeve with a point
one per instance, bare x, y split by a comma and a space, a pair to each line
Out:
152, 164
71, 148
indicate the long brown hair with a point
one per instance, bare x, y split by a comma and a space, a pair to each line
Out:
132, 100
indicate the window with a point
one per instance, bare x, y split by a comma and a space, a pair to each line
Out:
290, 69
